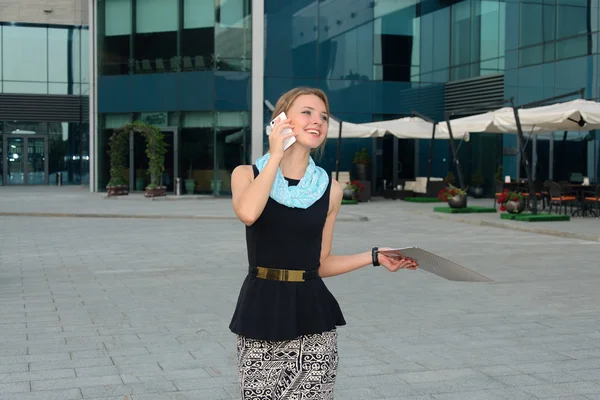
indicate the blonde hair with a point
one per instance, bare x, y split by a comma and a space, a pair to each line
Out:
287, 99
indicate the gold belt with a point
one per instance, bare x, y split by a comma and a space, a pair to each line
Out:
284, 275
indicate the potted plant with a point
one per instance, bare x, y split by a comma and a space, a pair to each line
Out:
499, 180
361, 162
511, 202
499, 172
190, 182
477, 181
456, 197
118, 146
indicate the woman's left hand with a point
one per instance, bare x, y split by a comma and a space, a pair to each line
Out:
395, 264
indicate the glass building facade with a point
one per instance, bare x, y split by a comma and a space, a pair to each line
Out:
382, 59
554, 51
184, 66
44, 85
187, 66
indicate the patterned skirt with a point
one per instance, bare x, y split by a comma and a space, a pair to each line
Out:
299, 369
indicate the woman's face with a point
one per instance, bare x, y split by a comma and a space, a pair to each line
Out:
310, 119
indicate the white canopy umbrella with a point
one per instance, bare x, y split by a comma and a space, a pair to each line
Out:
575, 115
498, 121
403, 128
351, 130
412, 128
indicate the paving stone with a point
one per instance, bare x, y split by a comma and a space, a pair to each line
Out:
127, 307
16, 387
108, 390
51, 384
37, 375
67, 394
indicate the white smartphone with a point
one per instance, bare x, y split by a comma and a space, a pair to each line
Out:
289, 141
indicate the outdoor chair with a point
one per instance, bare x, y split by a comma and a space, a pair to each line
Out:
560, 197
592, 198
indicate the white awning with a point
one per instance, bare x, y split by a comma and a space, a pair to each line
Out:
498, 121
404, 128
576, 115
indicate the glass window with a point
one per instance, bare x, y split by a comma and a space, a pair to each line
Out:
85, 55
461, 33
233, 36
549, 32
25, 56
549, 52
396, 41
537, 24
531, 24
117, 31
64, 55
198, 35
232, 146
427, 40
501, 28
156, 35
25, 87
59, 88
32, 128
350, 56
572, 21
531, 55
441, 39
490, 30
580, 3
65, 152
579, 46
488, 67
460, 72
196, 160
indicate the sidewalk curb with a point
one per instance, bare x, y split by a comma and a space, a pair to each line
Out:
540, 231
144, 216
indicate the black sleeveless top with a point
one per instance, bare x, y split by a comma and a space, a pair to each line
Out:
286, 238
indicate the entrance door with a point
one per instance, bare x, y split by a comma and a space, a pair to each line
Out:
139, 176
26, 160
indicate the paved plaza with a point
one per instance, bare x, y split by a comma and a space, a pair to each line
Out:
130, 299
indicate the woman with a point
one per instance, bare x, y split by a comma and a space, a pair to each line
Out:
285, 316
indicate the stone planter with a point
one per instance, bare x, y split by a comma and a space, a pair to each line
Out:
362, 172
118, 190
139, 184
190, 184
458, 201
515, 207
156, 192
216, 185
348, 194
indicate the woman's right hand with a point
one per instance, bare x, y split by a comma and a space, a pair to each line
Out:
276, 138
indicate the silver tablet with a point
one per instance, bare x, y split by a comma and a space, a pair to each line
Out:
437, 265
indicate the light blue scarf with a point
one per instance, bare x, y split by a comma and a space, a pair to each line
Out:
311, 187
